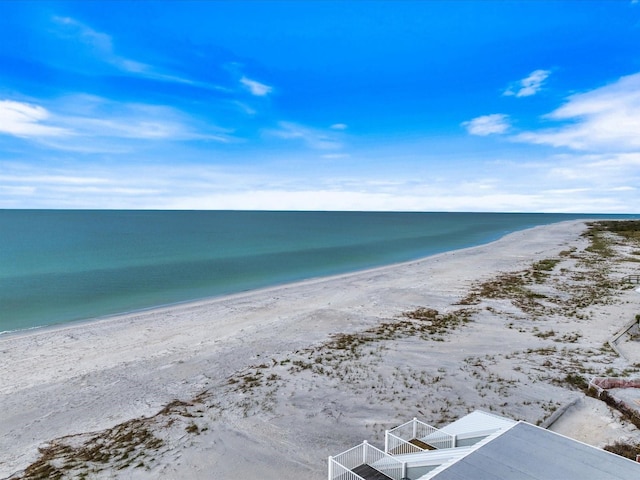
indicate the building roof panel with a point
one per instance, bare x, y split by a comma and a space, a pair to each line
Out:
527, 452
477, 421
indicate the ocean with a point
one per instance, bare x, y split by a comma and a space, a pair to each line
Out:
59, 266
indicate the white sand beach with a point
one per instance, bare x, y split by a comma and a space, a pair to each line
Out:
268, 390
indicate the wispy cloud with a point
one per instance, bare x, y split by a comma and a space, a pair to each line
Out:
339, 126
484, 125
256, 88
244, 108
314, 138
88, 124
586, 183
97, 116
101, 47
79, 186
402, 197
604, 119
598, 171
528, 86
27, 120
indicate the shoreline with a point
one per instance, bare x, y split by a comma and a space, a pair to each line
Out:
264, 387
90, 317
79, 323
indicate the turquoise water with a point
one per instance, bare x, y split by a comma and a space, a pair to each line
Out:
61, 266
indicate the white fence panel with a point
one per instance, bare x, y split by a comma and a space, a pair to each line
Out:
364, 453
415, 429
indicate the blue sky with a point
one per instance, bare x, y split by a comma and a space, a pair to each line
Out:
325, 105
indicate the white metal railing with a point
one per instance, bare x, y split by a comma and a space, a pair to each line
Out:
397, 446
415, 429
339, 471
341, 465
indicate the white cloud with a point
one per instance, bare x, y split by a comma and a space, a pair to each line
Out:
101, 47
100, 44
488, 124
600, 172
339, 126
26, 120
92, 124
404, 197
244, 108
74, 28
99, 117
576, 185
256, 88
314, 138
604, 119
83, 185
528, 86
52, 178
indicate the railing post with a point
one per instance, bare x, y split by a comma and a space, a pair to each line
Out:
330, 477
404, 470
415, 427
364, 451
454, 440
386, 441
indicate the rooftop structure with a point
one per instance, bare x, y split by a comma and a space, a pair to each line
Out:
479, 446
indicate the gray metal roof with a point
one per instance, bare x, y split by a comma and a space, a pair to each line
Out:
527, 452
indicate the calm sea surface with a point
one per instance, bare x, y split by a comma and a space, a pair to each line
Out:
61, 266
